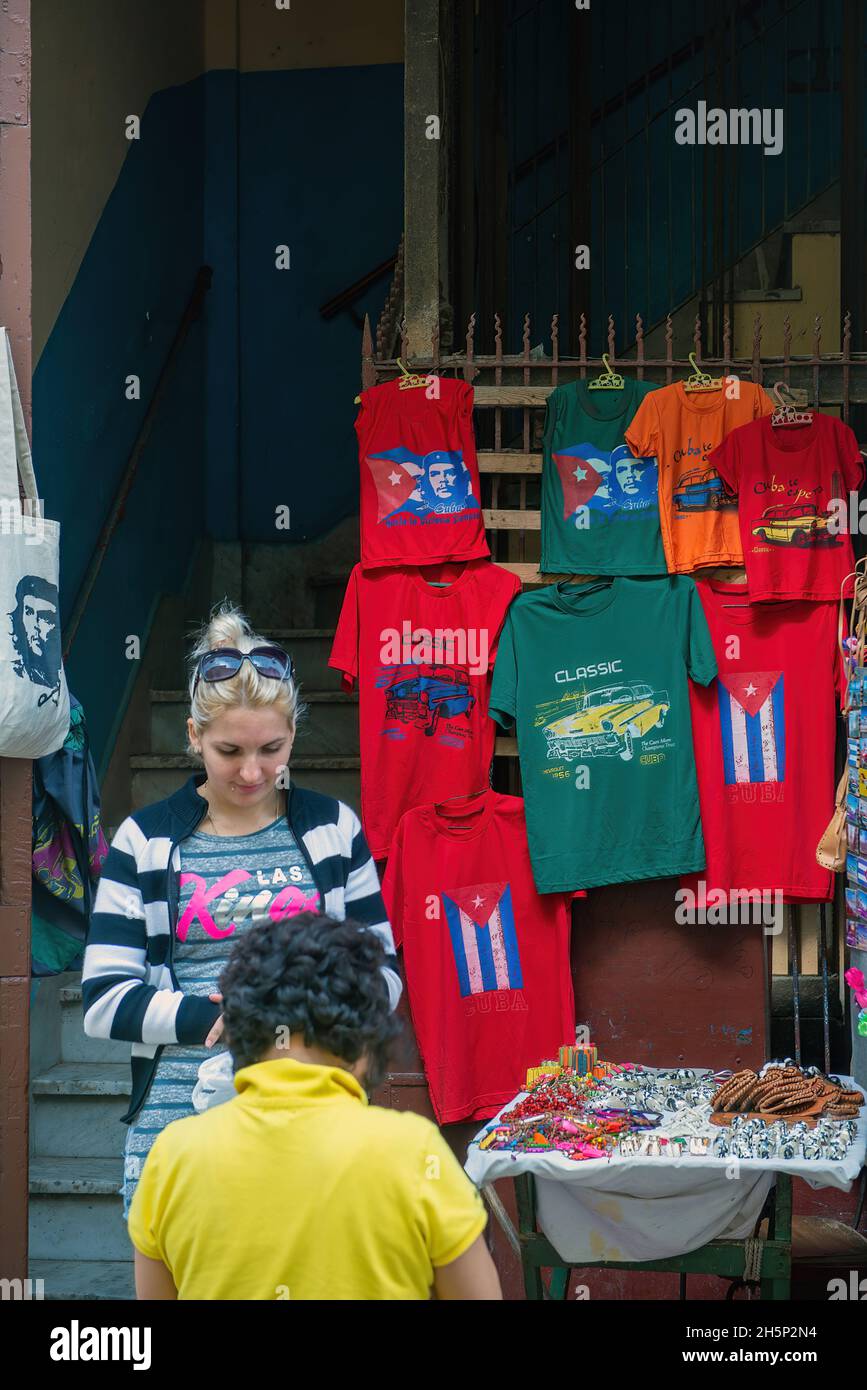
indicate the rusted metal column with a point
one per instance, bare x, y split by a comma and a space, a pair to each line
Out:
423, 159
15, 775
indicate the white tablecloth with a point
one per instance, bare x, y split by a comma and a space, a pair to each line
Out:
640, 1208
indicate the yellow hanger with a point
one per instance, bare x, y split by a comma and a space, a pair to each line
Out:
700, 381
409, 381
607, 380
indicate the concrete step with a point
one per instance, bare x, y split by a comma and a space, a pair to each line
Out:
87, 1280
329, 727
77, 1108
83, 1079
92, 1177
75, 1045
328, 593
74, 1225
89, 1126
155, 776
310, 648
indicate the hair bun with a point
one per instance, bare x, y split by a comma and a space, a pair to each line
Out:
227, 626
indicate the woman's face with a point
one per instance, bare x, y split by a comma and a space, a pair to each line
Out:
244, 752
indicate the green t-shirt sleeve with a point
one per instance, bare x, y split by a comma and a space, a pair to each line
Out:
700, 656
503, 705
453, 1213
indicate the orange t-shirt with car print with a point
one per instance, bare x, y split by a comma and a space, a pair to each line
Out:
698, 513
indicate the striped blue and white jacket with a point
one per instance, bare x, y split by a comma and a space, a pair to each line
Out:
129, 989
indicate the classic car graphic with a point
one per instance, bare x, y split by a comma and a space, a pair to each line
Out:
800, 524
609, 723
436, 692
702, 490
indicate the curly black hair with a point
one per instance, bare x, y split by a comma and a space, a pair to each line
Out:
312, 975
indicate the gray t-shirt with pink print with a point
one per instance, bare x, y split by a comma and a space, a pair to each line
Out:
228, 884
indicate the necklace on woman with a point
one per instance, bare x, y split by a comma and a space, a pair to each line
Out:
277, 814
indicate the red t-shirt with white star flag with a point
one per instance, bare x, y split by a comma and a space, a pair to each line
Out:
486, 956
420, 493
421, 643
764, 734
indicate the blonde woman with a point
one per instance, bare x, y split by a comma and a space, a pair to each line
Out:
238, 845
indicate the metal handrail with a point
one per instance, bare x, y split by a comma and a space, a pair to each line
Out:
192, 312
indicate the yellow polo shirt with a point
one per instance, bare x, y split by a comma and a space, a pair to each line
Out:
297, 1188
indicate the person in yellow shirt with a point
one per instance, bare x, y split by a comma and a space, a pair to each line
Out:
297, 1187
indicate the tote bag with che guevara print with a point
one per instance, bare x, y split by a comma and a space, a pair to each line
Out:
34, 700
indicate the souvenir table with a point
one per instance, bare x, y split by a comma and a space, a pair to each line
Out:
677, 1211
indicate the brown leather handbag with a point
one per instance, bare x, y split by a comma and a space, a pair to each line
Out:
832, 848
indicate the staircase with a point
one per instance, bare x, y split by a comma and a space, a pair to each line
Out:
78, 1240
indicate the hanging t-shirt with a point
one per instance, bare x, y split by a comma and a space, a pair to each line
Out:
422, 656
765, 734
785, 479
420, 494
486, 957
600, 509
595, 677
697, 511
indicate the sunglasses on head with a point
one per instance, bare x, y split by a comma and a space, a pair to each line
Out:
222, 663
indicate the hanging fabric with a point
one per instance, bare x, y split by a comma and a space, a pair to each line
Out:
33, 693
69, 848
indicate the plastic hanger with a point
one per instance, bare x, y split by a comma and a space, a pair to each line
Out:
409, 381
786, 413
700, 381
462, 796
607, 380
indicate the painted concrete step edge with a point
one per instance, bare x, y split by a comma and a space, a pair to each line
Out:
94, 1177
88, 1280
84, 1079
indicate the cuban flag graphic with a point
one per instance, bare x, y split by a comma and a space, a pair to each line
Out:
394, 480
753, 723
583, 470
482, 928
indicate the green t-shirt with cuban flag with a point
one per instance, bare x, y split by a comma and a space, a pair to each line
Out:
600, 504
596, 678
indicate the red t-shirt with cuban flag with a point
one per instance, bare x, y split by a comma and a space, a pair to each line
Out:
420, 494
421, 644
486, 956
764, 733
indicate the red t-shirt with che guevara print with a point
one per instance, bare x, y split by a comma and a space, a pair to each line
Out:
420, 494
422, 656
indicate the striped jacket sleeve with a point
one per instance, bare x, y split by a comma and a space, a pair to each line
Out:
127, 991
363, 900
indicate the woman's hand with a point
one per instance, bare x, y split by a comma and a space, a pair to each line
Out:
217, 1029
